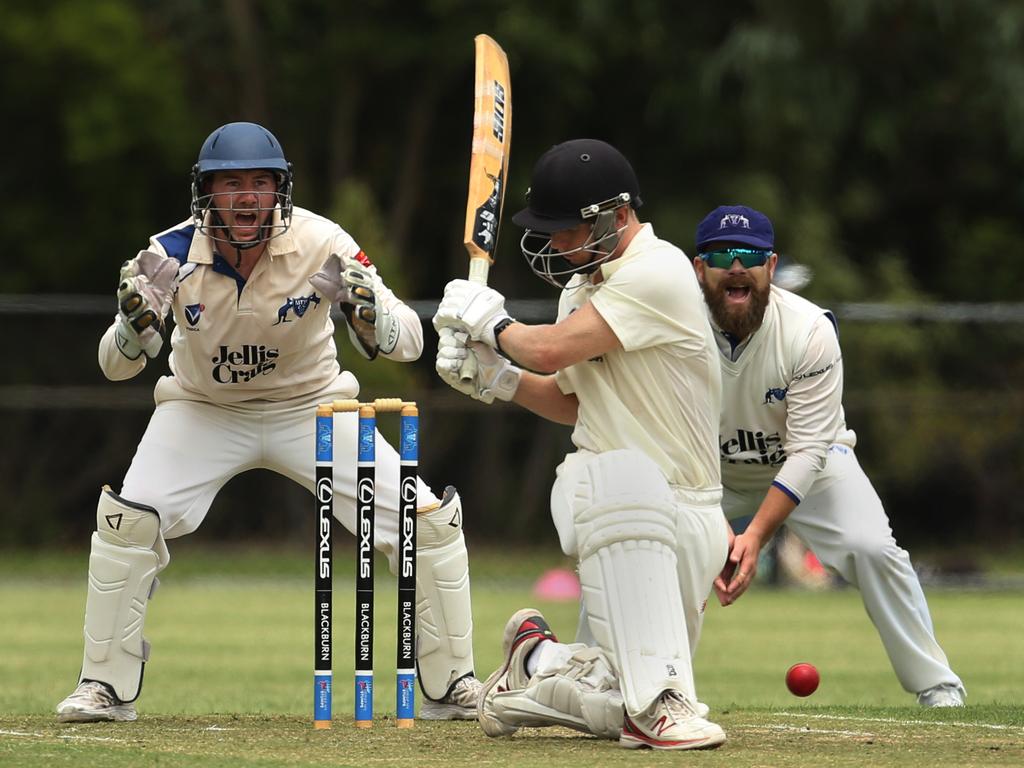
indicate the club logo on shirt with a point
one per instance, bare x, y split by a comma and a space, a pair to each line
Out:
749, 447
298, 305
192, 313
242, 364
775, 395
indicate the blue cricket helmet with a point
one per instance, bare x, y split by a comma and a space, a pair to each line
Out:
241, 147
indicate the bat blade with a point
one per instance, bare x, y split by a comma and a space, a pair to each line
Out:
488, 168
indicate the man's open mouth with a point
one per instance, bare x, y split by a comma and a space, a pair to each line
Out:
737, 293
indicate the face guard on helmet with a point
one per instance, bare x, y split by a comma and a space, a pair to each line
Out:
241, 147
553, 267
579, 181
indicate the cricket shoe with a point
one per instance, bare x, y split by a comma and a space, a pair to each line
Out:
92, 702
671, 722
943, 695
458, 704
523, 632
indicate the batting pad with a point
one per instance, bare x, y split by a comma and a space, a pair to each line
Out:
444, 613
574, 687
127, 553
624, 516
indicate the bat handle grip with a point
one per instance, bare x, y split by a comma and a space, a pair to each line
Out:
478, 268
468, 370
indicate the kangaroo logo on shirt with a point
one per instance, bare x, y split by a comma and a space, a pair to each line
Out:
298, 305
775, 395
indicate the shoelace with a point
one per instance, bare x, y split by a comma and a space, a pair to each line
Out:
464, 686
94, 691
678, 706
942, 688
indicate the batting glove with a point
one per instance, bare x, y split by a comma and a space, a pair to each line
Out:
473, 308
495, 376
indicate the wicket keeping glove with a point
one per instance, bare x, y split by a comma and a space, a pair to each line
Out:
371, 328
144, 296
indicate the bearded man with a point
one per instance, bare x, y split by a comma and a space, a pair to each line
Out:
787, 454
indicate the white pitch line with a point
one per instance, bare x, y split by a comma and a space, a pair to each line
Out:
69, 737
899, 721
804, 729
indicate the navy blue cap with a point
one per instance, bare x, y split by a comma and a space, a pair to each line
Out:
737, 224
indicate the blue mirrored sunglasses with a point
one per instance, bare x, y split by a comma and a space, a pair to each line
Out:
749, 257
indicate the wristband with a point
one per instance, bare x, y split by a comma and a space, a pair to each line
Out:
500, 326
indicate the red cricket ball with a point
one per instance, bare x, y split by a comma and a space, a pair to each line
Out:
802, 679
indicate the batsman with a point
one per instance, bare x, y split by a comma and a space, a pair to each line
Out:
251, 279
630, 365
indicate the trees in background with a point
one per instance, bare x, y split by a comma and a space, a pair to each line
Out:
882, 137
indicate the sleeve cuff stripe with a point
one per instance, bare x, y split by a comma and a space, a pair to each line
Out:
796, 499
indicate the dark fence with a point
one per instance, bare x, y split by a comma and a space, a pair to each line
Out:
934, 393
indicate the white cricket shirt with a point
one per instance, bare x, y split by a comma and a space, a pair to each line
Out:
268, 338
661, 392
782, 399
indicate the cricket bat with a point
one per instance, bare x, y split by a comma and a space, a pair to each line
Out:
488, 168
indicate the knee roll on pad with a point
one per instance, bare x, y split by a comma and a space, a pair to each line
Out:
442, 524
622, 496
625, 521
126, 554
444, 612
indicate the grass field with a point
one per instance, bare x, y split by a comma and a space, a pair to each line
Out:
229, 681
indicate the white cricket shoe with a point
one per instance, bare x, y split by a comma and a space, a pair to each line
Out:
671, 722
92, 702
458, 704
523, 631
943, 695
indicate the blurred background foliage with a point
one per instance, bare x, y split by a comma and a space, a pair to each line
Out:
882, 136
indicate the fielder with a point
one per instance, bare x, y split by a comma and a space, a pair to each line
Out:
632, 366
251, 279
787, 455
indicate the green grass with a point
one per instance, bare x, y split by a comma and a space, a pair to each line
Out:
229, 681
